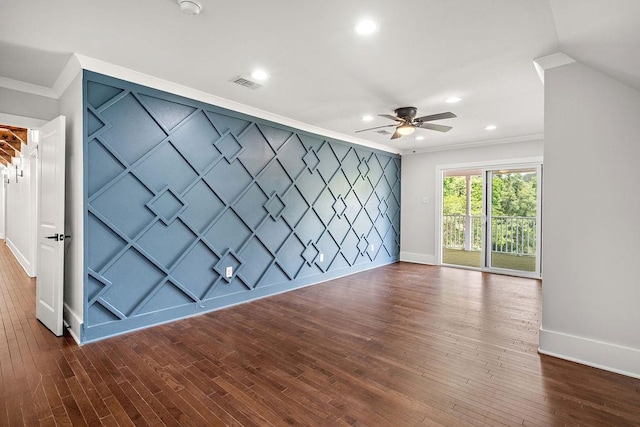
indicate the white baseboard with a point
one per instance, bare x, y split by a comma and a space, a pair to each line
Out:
73, 322
418, 258
598, 354
24, 262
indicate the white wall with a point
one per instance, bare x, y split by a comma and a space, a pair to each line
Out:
26, 110
71, 108
418, 220
2, 191
591, 288
27, 105
19, 228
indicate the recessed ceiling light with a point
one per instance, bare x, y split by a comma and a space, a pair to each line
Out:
259, 75
491, 127
366, 27
190, 7
453, 100
419, 138
367, 118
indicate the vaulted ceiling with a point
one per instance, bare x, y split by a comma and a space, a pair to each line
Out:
324, 74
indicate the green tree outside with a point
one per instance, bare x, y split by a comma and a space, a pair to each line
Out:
513, 194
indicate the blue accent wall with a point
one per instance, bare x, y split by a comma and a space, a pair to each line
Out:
177, 190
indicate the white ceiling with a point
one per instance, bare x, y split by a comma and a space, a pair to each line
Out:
324, 74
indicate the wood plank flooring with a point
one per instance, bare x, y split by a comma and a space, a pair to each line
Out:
400, 345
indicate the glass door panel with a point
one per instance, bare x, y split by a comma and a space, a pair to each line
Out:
512, 220
462, 214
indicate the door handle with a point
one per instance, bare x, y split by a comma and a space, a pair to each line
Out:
58, 237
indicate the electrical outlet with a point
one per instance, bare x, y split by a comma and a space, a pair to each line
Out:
373, 248
229, 272
321, 257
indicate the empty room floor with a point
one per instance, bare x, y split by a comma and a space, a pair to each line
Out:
404, 344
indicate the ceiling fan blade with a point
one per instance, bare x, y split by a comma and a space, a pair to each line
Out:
377, 127
433, 126
389, 116
439, 116
396, 135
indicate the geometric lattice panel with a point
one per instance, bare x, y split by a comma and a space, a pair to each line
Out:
178, 191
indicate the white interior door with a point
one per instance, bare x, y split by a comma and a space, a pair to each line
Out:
51, 198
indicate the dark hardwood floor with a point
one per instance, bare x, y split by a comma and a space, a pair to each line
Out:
400, 345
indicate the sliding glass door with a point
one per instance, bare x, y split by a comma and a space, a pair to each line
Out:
491, 219
512, 220
462, 218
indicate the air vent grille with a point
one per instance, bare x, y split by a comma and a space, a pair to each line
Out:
246, 83
383, 132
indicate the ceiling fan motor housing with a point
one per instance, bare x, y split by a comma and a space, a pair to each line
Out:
406, 112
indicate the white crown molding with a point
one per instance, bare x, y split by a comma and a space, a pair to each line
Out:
554, 60
61, 84
19, 86
127, 74
20, 121
67, 75
463, 145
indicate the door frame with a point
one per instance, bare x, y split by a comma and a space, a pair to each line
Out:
30, 124
532, 162
488, 224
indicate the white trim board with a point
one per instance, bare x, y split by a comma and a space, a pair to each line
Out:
463, 145
418, 258
25, 87
548, 62
22, 260
598, 354
20, 121
73, 323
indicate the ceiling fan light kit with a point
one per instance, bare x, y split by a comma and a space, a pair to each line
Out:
407, 122
405, 129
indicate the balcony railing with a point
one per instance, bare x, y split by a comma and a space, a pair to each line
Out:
514, 235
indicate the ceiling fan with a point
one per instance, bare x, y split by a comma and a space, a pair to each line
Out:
407, 122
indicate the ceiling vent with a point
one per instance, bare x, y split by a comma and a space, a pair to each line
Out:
383, 132
242, 81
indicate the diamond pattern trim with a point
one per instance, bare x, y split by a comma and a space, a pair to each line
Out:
229, 259
229, 147
167, 206
274, 206
339, 206
311, 160
190, 189
310, 253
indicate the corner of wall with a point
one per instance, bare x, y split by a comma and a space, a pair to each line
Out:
590, 296
73, 323
71, 107
590, 352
